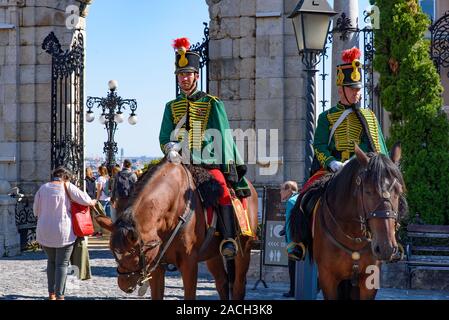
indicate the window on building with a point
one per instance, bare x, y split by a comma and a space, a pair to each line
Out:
428, 7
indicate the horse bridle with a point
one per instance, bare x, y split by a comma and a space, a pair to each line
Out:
151, 245
383, 214
145, 271
363, 220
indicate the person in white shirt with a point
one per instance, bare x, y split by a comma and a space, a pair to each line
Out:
104, 190
54, 230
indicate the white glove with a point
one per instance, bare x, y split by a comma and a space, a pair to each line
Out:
175, 146
174, 157
335, 165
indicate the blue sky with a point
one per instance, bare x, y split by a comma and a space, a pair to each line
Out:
132, 44
130, 41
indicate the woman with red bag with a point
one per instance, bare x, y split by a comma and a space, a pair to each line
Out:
54, 231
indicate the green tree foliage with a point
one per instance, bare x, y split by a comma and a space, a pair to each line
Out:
411, 92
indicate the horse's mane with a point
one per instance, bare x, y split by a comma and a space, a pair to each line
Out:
342, 185
207, 186
125, 224
144, 179
379, 168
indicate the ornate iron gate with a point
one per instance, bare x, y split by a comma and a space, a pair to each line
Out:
439, 49
25, 221
67, 99
203, 50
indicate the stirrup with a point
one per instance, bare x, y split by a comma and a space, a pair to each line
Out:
226, 253
296, 246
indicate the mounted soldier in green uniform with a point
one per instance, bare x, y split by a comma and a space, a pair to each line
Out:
340, 128
196, 124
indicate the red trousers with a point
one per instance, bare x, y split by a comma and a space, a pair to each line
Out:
226, 197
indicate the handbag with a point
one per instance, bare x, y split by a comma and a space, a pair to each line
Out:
82, 223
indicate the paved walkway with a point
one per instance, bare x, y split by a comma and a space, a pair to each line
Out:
24, 277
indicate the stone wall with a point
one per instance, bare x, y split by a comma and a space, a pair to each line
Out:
25, 85
255, 69
25, 99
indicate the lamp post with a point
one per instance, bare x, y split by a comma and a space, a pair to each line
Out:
111, 115
311, 22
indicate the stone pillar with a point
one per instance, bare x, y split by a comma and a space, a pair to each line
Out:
343, 41
270, 90
441, 7
256, 70
9, 237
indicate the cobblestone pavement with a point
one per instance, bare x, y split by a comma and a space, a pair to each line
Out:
23, 277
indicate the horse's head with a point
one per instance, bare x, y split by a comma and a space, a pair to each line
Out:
380, 186
124, 244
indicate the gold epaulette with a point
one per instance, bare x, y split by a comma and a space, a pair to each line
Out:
216, 99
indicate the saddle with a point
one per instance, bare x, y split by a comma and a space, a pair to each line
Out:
210, 192
305, 206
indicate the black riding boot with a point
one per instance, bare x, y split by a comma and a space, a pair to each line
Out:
226, 226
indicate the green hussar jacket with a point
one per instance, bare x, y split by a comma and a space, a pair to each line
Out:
341, 146
204, 112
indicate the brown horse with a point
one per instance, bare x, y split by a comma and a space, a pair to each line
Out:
163, 197
355, 226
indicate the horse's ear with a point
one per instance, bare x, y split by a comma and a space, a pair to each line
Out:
361, 156
396, 153
105, 222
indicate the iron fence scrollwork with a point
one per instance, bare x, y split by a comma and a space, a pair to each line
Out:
67, 96
25, 220
439, 48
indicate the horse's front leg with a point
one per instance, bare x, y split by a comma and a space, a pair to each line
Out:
189, 272
157, 284
367, 289
242, 262
328, 283
216, 268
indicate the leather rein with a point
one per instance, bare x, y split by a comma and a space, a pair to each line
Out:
363, 220
146, 270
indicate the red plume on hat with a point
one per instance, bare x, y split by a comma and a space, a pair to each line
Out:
181, 43
350, 55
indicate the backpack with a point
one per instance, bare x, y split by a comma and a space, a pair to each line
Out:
107, 188
123, 184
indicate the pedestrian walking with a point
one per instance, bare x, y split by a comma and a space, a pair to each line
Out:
54, 230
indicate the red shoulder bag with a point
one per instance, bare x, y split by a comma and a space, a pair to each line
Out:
81, 220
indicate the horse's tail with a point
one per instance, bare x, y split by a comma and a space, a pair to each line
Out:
230, 268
